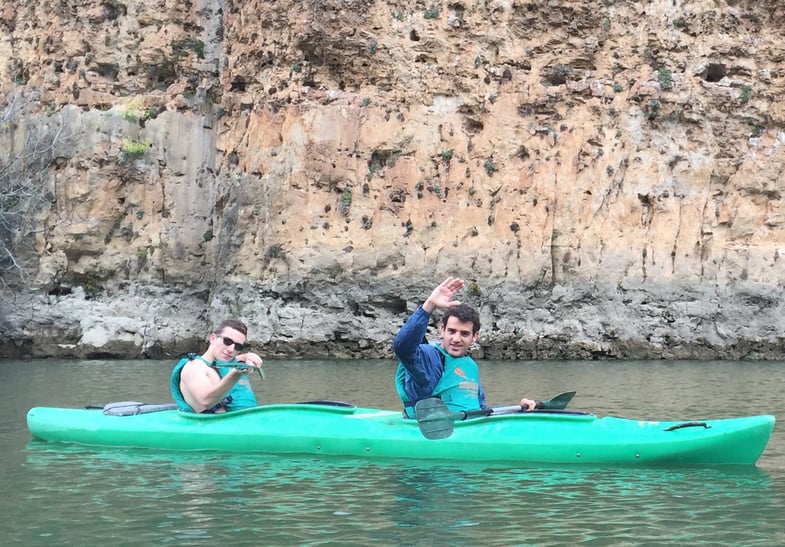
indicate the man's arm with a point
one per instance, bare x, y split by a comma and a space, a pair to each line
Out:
413, 331
198, 388
481, 397
407, 341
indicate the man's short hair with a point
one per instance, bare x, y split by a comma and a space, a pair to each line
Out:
464, 313
235, 324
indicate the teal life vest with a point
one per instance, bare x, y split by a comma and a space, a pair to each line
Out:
241, 395
458, 387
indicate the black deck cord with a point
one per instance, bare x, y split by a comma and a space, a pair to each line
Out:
688, 424
327, 402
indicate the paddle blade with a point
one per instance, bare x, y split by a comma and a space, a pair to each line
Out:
557, 402
434, 418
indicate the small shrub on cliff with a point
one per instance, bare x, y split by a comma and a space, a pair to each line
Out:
131, 149
346, 201
665, 78
141, 258
654, 108
432, 13
409, 228
474, 288
135, 111
746, 93
180, 47
490, 167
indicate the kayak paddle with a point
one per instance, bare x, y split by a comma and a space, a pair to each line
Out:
436, 421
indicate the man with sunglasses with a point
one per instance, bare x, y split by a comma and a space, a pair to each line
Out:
216, 381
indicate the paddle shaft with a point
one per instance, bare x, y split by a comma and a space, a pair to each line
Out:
466, 414
436, 421
556, 402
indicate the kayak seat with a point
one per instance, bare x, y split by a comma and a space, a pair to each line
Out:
132, 408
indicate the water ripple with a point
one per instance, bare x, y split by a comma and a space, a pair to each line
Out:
201, 499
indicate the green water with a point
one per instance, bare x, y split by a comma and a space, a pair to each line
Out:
58, 495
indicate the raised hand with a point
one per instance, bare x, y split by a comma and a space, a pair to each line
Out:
442, 296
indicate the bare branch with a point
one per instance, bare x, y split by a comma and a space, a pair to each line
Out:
23, 177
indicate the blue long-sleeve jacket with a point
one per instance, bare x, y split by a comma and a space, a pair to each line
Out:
423, 362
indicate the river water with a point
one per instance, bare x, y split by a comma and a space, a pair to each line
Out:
65, 495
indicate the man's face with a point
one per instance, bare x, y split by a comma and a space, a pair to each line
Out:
225, 345
457, 336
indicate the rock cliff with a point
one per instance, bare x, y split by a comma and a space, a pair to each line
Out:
606, 175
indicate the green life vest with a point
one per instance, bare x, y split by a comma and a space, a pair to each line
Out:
241, 396
458, 387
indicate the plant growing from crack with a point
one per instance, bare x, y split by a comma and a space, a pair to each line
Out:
180, 47
346, 201
131, 149
665, 78
135, 111
490, 167
654, 108
432, 13
746, 93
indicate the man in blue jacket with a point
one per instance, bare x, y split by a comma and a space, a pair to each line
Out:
445, 371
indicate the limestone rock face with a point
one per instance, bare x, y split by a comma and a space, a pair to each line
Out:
606, 176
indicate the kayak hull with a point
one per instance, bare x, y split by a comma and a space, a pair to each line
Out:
323, 429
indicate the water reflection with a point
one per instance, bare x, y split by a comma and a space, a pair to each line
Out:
203, 498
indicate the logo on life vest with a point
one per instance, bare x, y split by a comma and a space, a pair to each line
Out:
460, 373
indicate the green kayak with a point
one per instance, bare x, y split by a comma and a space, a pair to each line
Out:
339, 429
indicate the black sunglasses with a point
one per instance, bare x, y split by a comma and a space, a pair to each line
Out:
229, 342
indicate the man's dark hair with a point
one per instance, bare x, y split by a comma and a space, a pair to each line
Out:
464, 313
235, 324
